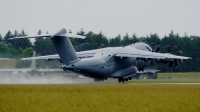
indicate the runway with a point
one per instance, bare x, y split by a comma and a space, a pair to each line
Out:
165, 83
25, 78
67, 79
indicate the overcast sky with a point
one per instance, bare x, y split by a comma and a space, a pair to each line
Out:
112, 17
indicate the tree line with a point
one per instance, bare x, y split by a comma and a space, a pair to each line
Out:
171, 43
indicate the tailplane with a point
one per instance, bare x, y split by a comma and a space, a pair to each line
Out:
33, 64
62, 44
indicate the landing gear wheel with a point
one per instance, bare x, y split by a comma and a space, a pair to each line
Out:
142, 69
123, 80
119, 80
96, 80
64, 69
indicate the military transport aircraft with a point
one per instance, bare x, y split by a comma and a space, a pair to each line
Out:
32, 69
111, 62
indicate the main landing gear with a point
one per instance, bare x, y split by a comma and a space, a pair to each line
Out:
99, 79
122, 80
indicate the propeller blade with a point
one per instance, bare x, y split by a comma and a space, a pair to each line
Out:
170, 64
168, 48
152, 46
181, 60
152, 43
152, 62
176, 63
179, 52
157, 61
157, 49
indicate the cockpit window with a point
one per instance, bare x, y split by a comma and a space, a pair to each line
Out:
143, 46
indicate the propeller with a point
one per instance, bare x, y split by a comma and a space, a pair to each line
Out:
154, 49
157, 48
175, 61
169, 49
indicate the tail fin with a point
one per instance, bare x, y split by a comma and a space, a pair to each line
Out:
62, 44
64, 47
33, 65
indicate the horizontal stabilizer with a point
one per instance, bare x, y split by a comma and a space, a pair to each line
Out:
61, 33
75, 36
38, 36
47, 57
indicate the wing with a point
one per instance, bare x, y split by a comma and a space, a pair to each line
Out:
56, 56
89, 53
15, 70
30, 70
82, 54
133, 52
47, 57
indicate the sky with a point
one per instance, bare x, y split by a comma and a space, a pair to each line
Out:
111, 17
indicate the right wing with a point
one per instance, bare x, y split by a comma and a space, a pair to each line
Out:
133, 52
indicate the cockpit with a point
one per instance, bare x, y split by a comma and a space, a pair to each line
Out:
142, 46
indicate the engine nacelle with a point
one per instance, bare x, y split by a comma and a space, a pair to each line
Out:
124, 72
140, 64
48, 59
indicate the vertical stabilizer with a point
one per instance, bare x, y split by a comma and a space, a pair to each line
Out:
33, 65
62, 44
64, 47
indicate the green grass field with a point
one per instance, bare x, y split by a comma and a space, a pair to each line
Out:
100, 97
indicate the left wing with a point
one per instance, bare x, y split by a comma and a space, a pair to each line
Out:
47, 57
30, 70
56, 56
133, 52
82, 54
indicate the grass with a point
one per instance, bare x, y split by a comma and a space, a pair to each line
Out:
99, 97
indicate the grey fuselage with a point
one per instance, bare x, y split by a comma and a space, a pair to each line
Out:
102, 64
115, 62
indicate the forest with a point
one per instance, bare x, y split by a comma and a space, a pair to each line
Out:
187, 45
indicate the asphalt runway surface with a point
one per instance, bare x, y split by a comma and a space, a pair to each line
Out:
64, 79
47, 79
165, 83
